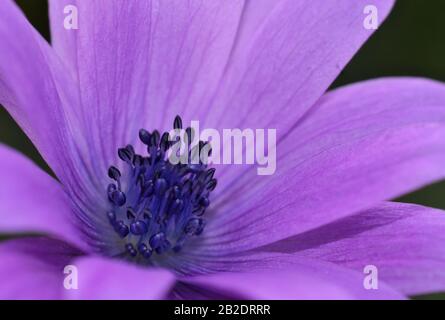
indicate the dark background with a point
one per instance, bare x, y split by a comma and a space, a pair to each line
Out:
410, 43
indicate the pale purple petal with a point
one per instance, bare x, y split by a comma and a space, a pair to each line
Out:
280, 276
38, 91
136, 60
32, 201
405, 242
27, 85
33, 268
140, 63
281, 69
288, 64
360, 144
104, 278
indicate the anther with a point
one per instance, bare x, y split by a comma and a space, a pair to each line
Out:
138, 228
144, 136
156, 206
177, 123
114, 173
118, 198
125, 154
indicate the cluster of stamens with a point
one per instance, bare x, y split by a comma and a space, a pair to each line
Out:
156, 205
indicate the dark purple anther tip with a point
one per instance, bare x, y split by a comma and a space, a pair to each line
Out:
138, 228
144, 136
122, 229
114, 173
144, 250
118, 198
154, 139
142, 247
130, 249
193, 226
204, 201
125, 154
157, 240
165, 143
212, 185
177, 123
210, 173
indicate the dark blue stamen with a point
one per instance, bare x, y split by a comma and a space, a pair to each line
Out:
138, 227
177, 123
144, 136
126, 154
114, 173
154, 139
156, 205
121, 228
118, 198
131, 250
144, 250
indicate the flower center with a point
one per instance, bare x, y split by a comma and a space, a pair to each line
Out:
157, 205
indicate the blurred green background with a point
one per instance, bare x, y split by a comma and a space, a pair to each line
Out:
410, 43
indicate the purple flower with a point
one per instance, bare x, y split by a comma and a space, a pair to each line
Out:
147, 229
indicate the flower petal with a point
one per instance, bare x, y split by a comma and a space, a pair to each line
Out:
361, 144
33, 86
280, 276
226, 64
101, 278
38, 91
33, 268
32, 201
279, 70
136, 60
405, 242
140, 63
